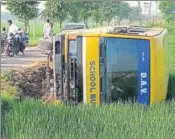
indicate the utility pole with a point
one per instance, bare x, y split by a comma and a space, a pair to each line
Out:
139, 14
150, 5
156, 9
34, 27
147, 10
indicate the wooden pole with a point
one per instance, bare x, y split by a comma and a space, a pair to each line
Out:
34, 28
139, 14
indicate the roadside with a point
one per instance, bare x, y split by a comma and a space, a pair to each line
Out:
18, 62
33, 41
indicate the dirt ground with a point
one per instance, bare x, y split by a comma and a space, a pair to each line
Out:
19, 62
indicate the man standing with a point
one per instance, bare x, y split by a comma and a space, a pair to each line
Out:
12, 28
47, 33
51, 30
46, 30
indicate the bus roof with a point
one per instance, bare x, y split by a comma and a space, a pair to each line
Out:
120, 30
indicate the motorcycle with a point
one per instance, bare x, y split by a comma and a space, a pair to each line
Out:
22, 41
16, 43
10, 45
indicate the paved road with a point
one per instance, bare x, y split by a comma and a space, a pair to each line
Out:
31, 54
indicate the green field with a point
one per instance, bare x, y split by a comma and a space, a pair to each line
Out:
33, 120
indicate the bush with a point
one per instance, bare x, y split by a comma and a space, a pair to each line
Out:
28, 82
170, 27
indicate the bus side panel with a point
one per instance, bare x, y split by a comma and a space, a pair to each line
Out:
161, 68
92, 70
159, 73
66, 48
143, 71
153, 68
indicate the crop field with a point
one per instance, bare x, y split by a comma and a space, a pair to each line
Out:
31, 119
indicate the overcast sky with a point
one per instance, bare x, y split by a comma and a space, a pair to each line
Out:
132, 3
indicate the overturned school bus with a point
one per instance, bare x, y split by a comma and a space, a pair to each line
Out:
105, 65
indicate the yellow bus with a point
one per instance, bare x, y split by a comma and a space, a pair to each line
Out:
109, 64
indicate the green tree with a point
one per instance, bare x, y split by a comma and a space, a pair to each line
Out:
56, 10
97, 13
23, 10
134, 14
73, 11
109, 10
85, 10
122, 11
168, 9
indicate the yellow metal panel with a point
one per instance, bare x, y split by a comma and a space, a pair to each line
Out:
92, 70
153, 69
161, 67
66, 48
158, 69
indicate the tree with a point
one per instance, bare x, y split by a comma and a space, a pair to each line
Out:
109, 10
85, 10
23, 10
97, 12
73, 11
168, 10
56, 11
134, 14
122, 11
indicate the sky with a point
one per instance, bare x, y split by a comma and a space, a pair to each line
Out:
132, 3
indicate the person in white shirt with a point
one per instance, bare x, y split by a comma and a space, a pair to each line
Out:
46, 30
12, 28
51, 30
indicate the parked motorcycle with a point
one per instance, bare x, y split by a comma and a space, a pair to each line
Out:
10, 45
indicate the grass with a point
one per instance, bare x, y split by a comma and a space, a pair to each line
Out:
34, 40
33, 120
171, 53
171, 59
